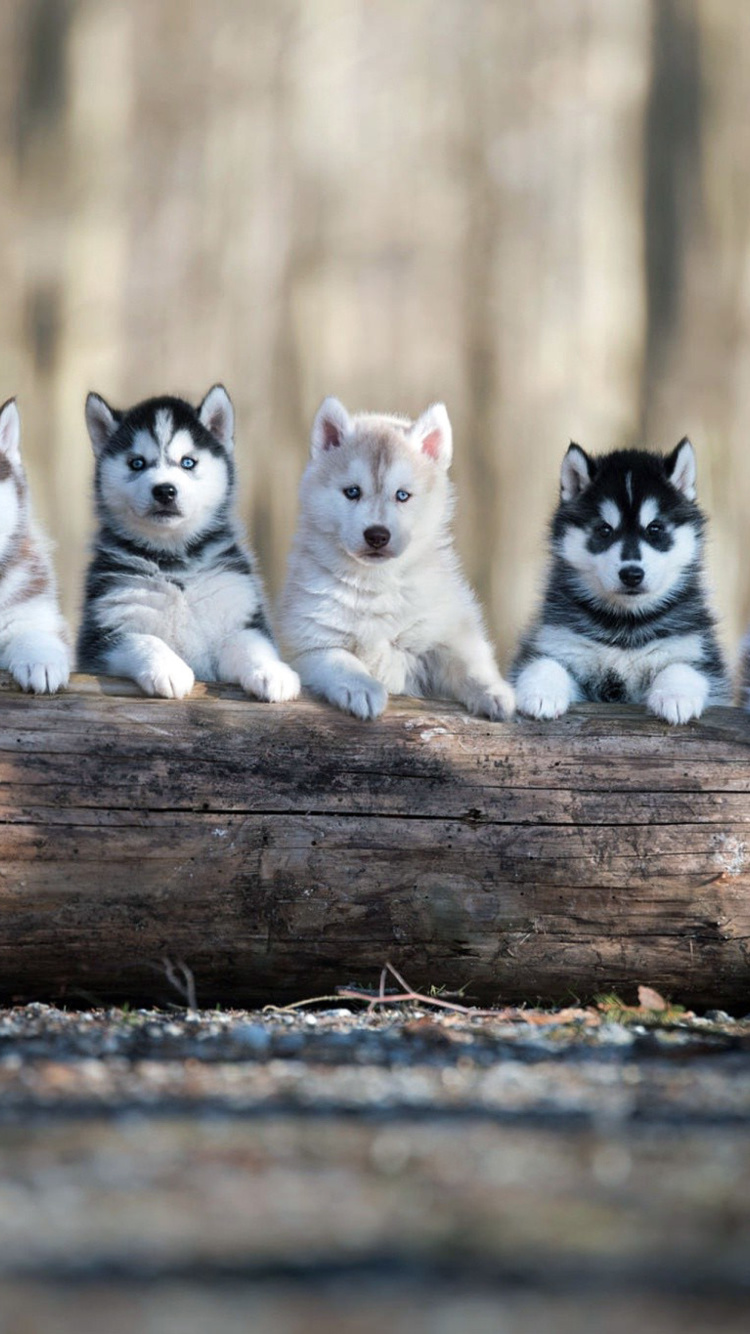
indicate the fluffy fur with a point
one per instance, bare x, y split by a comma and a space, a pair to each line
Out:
172, 591
33, 635
625, 614
375, 601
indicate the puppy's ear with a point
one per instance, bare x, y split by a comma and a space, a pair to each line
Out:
576, 472
10, 431
217, 415
101, 421
680, 468
331, 427
433, 435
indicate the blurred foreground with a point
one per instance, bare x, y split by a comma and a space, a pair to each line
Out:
405, 1170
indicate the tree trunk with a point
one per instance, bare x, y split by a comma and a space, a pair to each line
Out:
280, 851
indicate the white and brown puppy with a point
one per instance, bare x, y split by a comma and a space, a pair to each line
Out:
375, 601
172, 590
33, 635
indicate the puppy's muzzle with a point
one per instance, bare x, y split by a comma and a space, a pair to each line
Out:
164, 493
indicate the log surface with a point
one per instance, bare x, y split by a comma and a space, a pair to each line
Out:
281, 851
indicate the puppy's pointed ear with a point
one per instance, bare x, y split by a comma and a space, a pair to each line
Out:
433, 435
331, 427
680, 468
576, 472
101, 421
10, 431
217, 415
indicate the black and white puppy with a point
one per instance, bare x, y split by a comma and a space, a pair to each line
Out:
172, 591
625, 614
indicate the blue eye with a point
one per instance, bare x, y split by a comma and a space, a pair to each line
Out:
352, 492
137, 463
403, 495
187, 462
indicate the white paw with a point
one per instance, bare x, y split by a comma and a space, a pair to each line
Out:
496, 704
675, 708
167, 676
678, 694
43, 678
363, 700
543, 689
274, 682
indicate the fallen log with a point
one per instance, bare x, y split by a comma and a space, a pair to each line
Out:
260, 853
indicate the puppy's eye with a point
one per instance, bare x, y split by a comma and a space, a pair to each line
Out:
603, 529
137, 463
187, 462
352, 492
403, 495
655, 528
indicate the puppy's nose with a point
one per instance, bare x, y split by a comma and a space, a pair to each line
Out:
164, 493
377, 536
631, 575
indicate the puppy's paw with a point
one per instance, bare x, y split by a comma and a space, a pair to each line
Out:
365, 699
167, 676
497, 704
678, 694
43, 678
42, 669
543, 690
274, 682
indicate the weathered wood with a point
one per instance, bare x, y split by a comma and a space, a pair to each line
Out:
282, 850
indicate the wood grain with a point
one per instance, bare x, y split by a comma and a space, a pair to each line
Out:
280, 851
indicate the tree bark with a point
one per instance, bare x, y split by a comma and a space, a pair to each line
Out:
280, 851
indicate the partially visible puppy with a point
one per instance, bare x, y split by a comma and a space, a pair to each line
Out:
374, 598
625, 614
33, 635
172, 591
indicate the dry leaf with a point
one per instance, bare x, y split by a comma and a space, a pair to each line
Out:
648, 999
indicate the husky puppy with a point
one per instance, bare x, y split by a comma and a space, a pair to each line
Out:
374, 599
171, 589
33, 635
624, 615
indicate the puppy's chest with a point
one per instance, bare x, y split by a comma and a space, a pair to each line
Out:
193, 611
606, 672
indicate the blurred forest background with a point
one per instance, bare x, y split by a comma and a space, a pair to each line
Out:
536, 210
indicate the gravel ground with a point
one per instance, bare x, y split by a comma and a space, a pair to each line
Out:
403, 1168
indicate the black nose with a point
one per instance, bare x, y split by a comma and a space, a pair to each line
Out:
631, 575
164, 493
377, 536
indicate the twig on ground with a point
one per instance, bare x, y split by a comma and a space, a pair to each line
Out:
181, 978
408, 994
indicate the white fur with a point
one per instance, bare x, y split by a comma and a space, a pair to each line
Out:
575, 474
684, 472
649, 511
360, 625
600, 572
678, 693
610, 513
545, 689
638, 668
33, 635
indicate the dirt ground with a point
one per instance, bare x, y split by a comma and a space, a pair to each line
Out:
402, 1169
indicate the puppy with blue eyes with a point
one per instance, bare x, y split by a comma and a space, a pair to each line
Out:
625, 614
375, 601
172, 590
